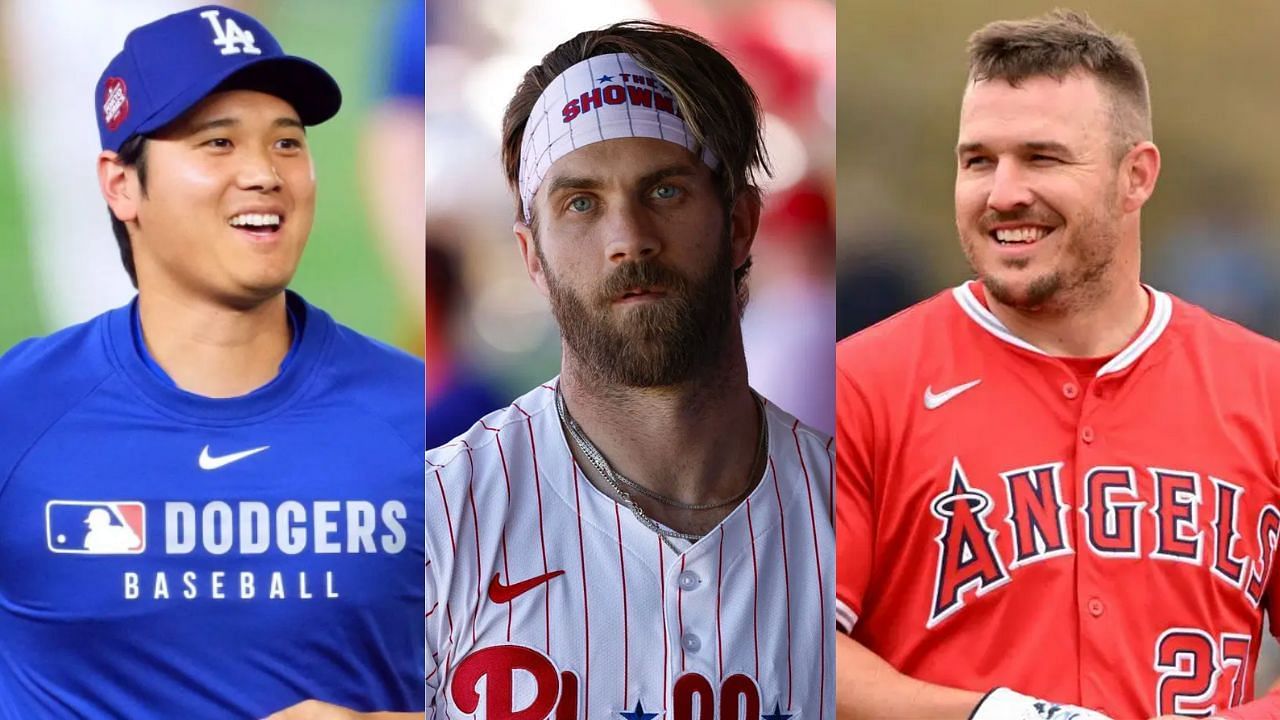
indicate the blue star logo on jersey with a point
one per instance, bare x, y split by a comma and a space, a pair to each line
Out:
604, 79
776, 714
639, 713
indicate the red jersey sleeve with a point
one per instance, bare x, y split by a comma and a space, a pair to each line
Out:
854, 442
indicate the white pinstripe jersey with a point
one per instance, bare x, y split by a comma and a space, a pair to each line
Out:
547, 599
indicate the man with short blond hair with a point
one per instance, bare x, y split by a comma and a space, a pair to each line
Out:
1058, 44
1075, 513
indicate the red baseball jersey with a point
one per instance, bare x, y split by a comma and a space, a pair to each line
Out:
548, 599
1102, 537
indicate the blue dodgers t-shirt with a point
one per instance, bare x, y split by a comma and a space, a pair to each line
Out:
168, 555
140, 344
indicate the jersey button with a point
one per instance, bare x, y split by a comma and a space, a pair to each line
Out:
1086, 434
1070, 391
691, 642
1096, 608
689, 580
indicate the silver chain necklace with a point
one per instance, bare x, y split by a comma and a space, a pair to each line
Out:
616, 479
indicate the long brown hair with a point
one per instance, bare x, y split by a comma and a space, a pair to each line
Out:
719, 107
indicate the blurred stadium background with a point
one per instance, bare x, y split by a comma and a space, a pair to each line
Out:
496, 324
58, 258
1210, 231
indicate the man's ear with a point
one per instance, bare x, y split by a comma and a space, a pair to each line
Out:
745, 220
119, 187
529, 253
1141, 168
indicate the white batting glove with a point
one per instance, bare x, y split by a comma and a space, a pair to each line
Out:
1005, 704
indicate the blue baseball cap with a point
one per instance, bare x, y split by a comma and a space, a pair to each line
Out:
168, 66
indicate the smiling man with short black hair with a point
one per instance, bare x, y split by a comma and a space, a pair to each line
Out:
209, 496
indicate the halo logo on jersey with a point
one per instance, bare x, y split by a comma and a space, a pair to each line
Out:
1156, 513
102, 527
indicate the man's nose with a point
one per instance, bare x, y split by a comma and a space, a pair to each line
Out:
1010, 189
633, 233
258, 172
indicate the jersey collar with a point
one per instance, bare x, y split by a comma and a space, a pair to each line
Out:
985, 319
315, 332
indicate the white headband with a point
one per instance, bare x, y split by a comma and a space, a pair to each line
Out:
601, 98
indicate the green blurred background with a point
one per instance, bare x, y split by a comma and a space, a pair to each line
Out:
343, 270
20, 317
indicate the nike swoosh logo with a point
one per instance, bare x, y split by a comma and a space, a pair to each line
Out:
499, 593
933, 402
212, 462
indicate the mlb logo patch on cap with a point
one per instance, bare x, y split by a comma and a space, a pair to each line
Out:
96, 527
115, 103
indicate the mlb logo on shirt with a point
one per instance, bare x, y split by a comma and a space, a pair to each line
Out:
103, 527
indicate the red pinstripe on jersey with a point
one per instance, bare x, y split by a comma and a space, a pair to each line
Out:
586, 613
572, 628
817, 559
755, 592
786, 573
831, 480
448, 516
542, 533
719, 598
680, 614
662, 603
506, 477
626, 626
449, 616
471, 498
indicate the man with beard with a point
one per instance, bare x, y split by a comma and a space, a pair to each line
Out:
1059, 494
643, 535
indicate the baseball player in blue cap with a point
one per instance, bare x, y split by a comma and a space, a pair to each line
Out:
210, 499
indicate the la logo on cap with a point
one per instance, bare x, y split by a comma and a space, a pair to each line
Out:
228, 38
115, 103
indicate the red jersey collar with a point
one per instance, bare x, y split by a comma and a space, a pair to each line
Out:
1161, 311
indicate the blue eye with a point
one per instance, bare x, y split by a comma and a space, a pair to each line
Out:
666, 192
581, 204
